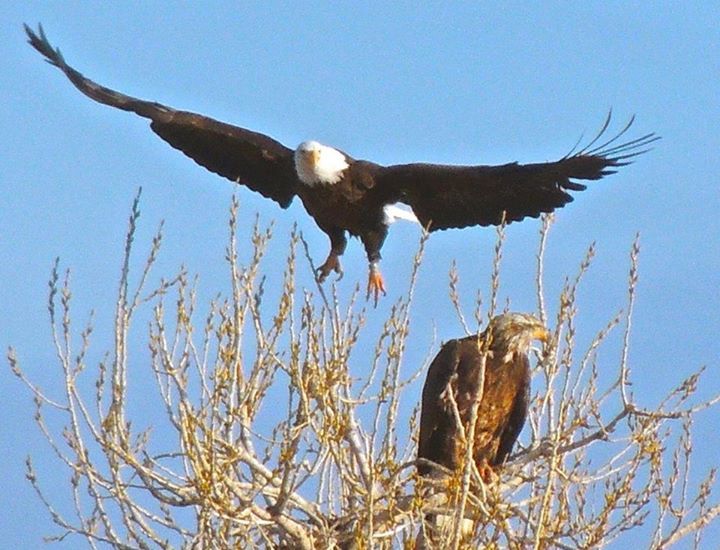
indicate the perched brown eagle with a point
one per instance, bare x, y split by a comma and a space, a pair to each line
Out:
345, 195
452, 385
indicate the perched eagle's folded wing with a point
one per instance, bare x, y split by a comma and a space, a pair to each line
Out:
461, 196
516, 419
252, 159
438, 426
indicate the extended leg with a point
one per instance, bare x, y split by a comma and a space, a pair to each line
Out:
332, 263
373, 241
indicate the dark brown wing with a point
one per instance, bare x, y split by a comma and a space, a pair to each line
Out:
437, 423
516, 420
243, 156
461, 196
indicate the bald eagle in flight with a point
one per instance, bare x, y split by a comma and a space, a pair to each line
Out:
452, 385
347, 195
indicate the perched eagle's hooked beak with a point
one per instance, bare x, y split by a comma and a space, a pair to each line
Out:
542, 334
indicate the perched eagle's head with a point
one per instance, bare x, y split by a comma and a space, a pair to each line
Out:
316, 163
514, 332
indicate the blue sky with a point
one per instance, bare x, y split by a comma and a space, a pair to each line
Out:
450, 83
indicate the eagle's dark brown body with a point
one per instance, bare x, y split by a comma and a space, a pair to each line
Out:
354, 204
353, 198
455, 375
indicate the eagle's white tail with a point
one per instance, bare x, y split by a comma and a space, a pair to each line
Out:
394, 212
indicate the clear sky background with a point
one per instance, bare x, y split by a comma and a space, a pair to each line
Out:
439, 82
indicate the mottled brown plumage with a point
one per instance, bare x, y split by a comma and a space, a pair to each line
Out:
354, 202
455, 374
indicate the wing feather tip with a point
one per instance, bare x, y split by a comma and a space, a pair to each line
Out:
573, 186
40, 42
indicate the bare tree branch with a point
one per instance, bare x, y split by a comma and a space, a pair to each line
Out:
280, 421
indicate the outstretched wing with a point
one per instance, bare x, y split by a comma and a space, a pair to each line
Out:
461, 196
243, 156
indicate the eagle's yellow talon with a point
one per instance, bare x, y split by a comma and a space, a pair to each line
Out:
376, 285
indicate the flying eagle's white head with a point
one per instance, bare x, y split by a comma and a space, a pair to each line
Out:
316, 163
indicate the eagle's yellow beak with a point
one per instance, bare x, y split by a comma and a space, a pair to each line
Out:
542, 334
312, 157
